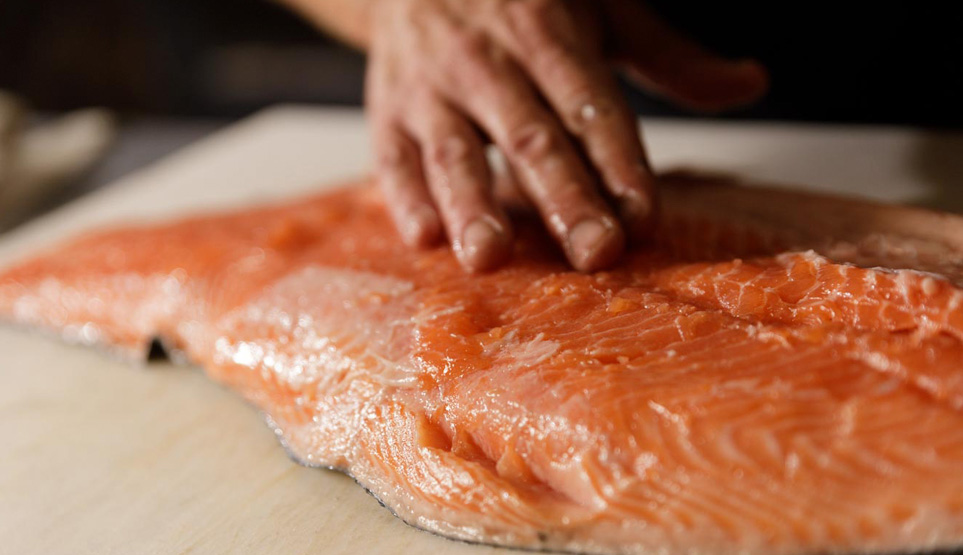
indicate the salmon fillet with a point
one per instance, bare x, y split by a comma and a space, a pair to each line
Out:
728, 390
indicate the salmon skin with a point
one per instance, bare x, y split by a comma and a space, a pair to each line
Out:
725, 391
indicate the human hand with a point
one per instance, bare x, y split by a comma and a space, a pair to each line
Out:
535, 78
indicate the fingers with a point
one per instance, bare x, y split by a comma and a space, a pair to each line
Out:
578, 84
493, 91
460, 183
553, 177
398, 167
534, 81
664, 61
400, 176
505, 185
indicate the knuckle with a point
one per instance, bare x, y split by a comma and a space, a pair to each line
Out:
585, 110
534, 141
392, 156
421, 17
530, 15
542, 26
527, 22
451, 151
470, 62
470, 44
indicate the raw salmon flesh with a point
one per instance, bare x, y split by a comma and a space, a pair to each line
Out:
781, 373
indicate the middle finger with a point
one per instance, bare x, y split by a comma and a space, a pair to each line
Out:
577, 82
460, 183
494, 92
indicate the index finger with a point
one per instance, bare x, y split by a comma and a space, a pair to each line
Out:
577, 82
494, 92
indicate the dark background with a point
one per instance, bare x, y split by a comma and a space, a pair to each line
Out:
888, 63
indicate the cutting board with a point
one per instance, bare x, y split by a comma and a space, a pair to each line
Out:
98, 456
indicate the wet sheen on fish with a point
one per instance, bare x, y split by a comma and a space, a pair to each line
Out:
777, 373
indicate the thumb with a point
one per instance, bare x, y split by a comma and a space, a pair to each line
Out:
665, 62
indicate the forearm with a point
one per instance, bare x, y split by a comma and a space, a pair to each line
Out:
348, 20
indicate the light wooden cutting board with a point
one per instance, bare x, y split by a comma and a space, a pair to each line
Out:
100, 457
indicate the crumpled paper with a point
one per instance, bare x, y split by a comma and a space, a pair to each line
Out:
39, 160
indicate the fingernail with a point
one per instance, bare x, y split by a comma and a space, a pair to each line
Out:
594, 244
483, 245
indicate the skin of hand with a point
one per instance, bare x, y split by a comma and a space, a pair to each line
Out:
534, 77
